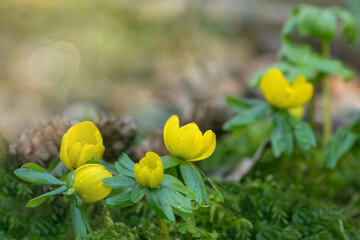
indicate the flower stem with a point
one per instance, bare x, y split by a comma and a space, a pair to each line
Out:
342, 230
312, 113
327, 123
164, 229
107, 216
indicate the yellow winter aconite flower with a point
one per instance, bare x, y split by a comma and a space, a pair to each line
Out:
149, 172
280, 93
88, 182
188, 142
80, 144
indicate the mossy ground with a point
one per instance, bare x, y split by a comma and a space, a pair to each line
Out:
287, 198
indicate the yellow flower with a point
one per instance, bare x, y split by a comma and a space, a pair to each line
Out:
188, 142
280, 93
297, 112
88, 182
80, 144
149, 172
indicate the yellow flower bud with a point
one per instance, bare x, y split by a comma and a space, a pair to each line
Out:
297, 112
188, 142
149, 172
88, 182
80, 144
281, 94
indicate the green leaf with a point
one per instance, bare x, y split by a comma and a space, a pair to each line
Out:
241, 104
159, 203
110, 167
178, 201
41, 199
332, 66
355, 125
175, 184
33, 166
325, 27
119, 181
304, 136
195, 182
170, 161
350, 26
281, 137
125, 166
248, 116
312, 21
126, 162
303, 57
59, 170
120, 197
289, 26
217, 189
340, 144
137, 194
70, 179
79, 222
53, 164
36, 177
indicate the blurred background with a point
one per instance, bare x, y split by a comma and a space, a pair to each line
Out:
147, 59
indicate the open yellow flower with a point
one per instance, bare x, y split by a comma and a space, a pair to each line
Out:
80, 144
188, 142
149, 172
88, 182
281, 94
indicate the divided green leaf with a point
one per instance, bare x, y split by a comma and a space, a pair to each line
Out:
176, 185
120, 197
340, 144
125, 166
248, 115
281, 137
195, 182
217, 189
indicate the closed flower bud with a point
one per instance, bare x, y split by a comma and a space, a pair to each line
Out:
88, 183
281, 94
149, 172
80, 144
188, 142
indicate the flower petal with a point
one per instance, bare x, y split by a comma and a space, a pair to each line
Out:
301, 95
171, 126
84, 132
64, 152
208, 146
274, 87
89, 152
188, 141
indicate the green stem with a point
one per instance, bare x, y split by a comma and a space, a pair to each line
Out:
164, 229
327, 124
342, 230
312, 113
107, 216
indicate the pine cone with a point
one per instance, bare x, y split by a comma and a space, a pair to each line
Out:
209, 114
154, 143
118, 134
41, 145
